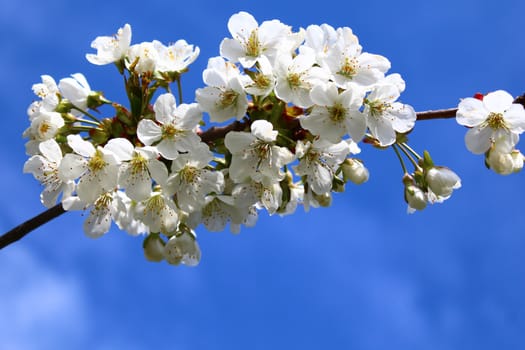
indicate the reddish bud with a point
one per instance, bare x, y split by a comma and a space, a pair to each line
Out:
479, 96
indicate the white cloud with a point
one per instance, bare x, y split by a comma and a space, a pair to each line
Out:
39, 308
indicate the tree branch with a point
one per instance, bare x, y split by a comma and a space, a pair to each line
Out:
23, 229
206, 136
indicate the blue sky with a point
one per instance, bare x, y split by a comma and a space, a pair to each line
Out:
359, 275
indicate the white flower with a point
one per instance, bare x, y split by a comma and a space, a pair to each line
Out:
96, 167
175, 57
441, 182
110, 48
493, 118
142, 58
76, 90
335, 114
125, 214
224, 97
322, 39
296, 76
44, 168
176, 132
183, 249
348, 66
159, 212
267, 196
134, 174
255, 156
44, 126
191, 182
251, 41
221, 209
99, 219
384, 116
319, 161
48, 92
262, 82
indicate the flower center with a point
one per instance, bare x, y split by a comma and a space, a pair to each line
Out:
169, 131
138, 164
188, 174
103, 201
253, 46
97, 163
377, 108
228, 98
337, 113
348, 68
155, 204
261, 81
294, 80
496, 121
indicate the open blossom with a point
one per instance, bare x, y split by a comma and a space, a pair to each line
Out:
44, 126
48, 92
224, 97
349, 66
135, 164
183, 249
322, 39
496, 117
255, 156
250, 41
159, 212
191, 182
295, 78
96, 168
142, 58
110, 48
76, 90
384, 116
175, 57
335, 114
262, 82
318, 161
174, 131
44, 168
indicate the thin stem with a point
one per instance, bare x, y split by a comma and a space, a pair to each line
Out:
87, 114
85, 121
414, 153
408, 155
179, 87
401, 161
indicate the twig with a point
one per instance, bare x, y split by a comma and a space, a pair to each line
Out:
31, 224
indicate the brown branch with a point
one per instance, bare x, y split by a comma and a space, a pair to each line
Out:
23, 229
437, 114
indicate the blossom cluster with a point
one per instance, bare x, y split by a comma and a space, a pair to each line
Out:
300, 102
495, 123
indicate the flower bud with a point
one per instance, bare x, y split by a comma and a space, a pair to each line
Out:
500, 162
355, 171
153, 248
415, 197
442, 181
182, 249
